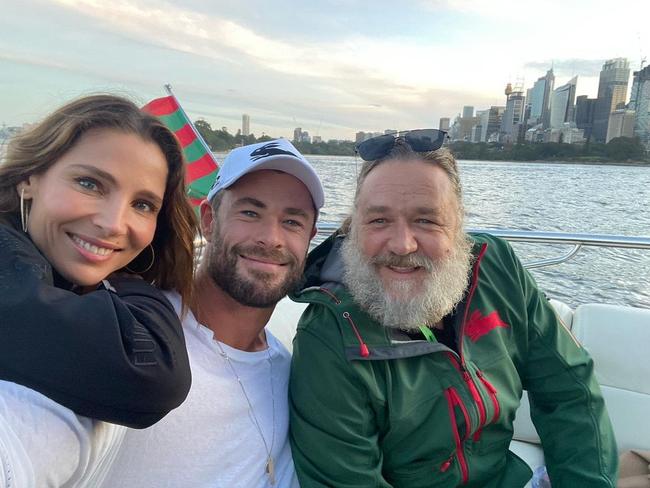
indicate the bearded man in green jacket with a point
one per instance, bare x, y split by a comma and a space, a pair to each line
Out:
410, 361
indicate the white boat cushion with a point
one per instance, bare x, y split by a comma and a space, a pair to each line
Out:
563, 311
284, 321
524, 430
618, 339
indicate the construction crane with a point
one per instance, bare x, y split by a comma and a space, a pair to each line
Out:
643, 58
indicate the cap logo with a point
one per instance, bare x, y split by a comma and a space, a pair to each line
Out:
270, 149
215, 182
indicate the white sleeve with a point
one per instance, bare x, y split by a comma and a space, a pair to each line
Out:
41, 442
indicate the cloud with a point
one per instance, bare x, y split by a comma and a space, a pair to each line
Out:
354, 74
341, 78
396, 61
205, 35
568, 67
523, 8
405, 66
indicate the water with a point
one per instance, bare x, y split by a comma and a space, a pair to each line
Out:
545, 197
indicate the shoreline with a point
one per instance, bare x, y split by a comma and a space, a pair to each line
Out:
533, 161
565, 161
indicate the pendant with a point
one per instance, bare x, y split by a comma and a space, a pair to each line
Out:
270, 470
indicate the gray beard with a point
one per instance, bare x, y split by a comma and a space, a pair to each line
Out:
401, 306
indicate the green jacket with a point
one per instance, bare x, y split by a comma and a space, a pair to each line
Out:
372, 409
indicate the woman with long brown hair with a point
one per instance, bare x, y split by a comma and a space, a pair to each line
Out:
93, 222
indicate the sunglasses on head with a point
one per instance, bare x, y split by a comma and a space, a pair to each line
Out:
420, 140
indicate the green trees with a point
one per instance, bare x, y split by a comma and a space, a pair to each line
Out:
332, 148
222, 140
617, 150
218, 140
625, 148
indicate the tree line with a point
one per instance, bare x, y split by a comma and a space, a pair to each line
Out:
619, 149
220, 140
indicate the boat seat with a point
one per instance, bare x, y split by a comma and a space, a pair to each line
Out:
284, 321
617, 338
564, 312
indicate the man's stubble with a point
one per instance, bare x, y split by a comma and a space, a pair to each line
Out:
256, 288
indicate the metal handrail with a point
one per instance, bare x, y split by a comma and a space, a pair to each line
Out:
535, 237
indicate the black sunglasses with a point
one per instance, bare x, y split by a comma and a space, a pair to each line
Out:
420, 140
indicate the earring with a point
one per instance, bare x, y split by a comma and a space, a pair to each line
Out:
24, 210
153, 258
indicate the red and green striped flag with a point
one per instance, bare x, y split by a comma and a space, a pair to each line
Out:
201, 168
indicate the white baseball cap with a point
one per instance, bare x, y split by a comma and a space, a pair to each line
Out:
278, 154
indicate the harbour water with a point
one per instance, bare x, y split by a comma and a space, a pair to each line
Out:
560, 197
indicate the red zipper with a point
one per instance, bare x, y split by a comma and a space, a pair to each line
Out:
458, 402
466, 376
476, 396
493, 395
471, 386
451, 400
470, 295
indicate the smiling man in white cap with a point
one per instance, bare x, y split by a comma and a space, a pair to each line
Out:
232, 431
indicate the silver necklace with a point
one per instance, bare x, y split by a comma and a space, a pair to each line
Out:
270, 465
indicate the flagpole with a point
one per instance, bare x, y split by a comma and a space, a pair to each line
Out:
198, 135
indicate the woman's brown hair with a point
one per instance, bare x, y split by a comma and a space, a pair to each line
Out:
35, 150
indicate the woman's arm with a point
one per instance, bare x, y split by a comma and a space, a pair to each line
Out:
116, 354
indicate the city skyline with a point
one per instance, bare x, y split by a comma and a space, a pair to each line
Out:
332, 68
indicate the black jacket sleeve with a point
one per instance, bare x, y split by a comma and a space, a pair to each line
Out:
115, 354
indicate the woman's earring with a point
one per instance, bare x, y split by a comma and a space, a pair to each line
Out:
153, 258
24, 210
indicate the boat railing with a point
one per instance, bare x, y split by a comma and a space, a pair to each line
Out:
576, 240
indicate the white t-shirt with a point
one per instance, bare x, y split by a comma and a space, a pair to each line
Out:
211, 440
43, 444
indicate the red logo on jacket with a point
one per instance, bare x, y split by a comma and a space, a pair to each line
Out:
478, 325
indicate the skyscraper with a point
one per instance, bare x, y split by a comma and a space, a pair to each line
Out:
444, 123
481, 128
549, 84
465, 125
245, 125
513, 116
612, 90
495, 117
540, 99
640, 103
563, 104
585, 114
621, 124
468, 111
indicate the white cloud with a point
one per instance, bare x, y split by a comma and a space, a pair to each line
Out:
400, 61
362, 79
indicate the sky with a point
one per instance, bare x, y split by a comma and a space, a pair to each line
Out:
331, 67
